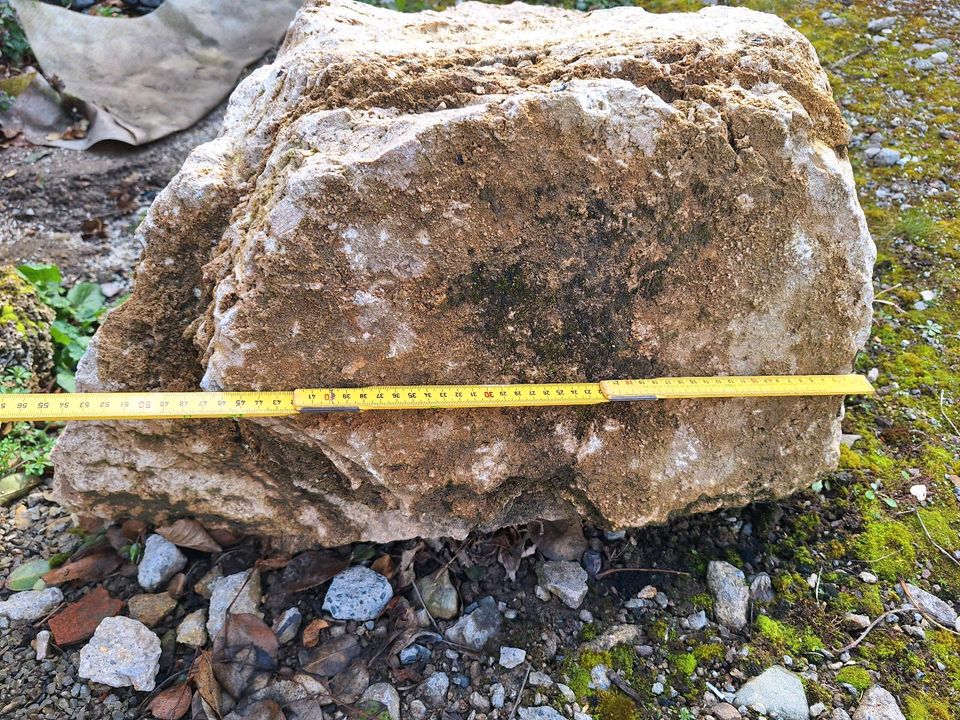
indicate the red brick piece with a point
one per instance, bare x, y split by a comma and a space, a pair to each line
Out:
77, 622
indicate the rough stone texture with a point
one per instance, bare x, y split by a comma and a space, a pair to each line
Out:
566, 580
938, 609
161, 561
566, 197
878, 704
779, 691
30, 604
358, 593
122, 652
234, 595
730, 592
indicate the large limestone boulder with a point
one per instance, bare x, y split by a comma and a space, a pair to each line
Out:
491, 194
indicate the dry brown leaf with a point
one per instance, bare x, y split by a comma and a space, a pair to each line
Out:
203, 679
384, 565
224, 538
310, 569
311, 633
173, 703
133, 529
189, 534
272, 563
86, 569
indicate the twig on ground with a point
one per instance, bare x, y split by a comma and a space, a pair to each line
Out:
935, 543
947, 417
624, 688
871, 626
610, 571
890, 303
886, 290
932, 620
852, 56
523, 686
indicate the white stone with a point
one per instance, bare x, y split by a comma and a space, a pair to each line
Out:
192, 631
878, 704
730, 592
121, 653
287, 625
386, 694
234, 594
358, 593
566, 580
30, 605
161, 561
779, 691
42, 645
510, 657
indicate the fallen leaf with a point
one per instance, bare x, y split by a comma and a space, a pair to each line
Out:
27, 575
10, 173
203, 679
333, 657
311, 633
93, 227
259, 710
407, 575
272, 563
15, 486
310, 569
118, 541
86, 569
244, 653
133, 529
224, 538
384, 565
177, 585
370, 709
173, 703
189, 534
78, 620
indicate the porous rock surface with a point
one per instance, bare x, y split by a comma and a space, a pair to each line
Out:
491, 194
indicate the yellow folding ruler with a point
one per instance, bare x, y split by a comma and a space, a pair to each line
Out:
161, 405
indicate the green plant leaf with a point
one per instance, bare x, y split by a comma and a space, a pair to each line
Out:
26, 576
87, 301
66, 380
40, 274
870, 495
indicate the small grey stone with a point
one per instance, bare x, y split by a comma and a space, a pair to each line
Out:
358, 593
122, 652
598, 677
386, 694
939, 58
731, 596
238, 593
881, 24
567, 692
886, 157
697, 621
498, 695
542, 712
161, 561
725, 711
413, 654
817, 709
854, 621
933, 606
510, 657
539, 679
839, 714
868, 577
478, 702
287, 625
191, 631
657, 688
761, 589
43, 644
566, 580
30, 605
922, 64
435, 689
476, 628
877, 704
779, 691
418, 711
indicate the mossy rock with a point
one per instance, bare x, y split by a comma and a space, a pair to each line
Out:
25, 339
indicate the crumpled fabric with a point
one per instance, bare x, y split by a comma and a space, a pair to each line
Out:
139, 79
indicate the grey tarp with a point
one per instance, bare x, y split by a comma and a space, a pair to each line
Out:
146, 77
